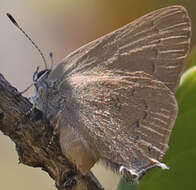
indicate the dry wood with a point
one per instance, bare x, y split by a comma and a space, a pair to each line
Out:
36, 144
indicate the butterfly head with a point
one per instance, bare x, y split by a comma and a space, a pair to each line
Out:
40, 82
40, 75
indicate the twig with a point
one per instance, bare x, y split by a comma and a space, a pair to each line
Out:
36, 144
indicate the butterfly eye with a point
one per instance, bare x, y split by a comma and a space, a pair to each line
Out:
39, 75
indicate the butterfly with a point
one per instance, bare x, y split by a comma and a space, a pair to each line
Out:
113, 99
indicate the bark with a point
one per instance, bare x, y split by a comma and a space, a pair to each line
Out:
36, 143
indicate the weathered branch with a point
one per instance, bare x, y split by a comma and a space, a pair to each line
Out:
36, 143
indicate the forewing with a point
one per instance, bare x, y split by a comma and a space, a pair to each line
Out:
157, 43
125, 117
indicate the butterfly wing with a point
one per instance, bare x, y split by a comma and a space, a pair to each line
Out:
126, 118
157, 43
121, 103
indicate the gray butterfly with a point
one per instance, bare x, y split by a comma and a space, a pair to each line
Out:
113, 99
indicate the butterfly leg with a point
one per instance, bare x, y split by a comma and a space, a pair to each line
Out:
56, 123
26, 89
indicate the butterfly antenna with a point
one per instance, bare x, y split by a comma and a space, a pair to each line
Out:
39, 50
52, 60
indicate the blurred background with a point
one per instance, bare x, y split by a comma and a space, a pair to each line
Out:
59, 26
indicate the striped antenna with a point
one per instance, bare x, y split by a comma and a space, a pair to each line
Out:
18, 26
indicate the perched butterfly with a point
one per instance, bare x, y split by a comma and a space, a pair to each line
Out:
113, 99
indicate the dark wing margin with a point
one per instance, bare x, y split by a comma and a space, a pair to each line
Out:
157, 44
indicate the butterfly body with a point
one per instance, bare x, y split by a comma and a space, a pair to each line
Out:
113, 99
